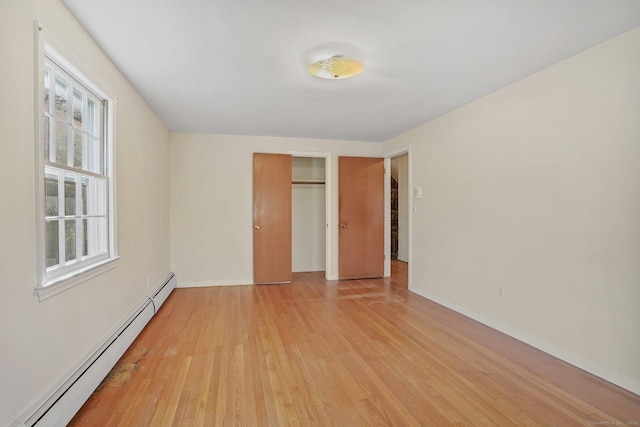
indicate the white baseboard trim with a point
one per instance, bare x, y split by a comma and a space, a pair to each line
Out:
207, 283
236, 282
594, 368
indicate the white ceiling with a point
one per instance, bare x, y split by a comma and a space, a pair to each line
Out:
240, 67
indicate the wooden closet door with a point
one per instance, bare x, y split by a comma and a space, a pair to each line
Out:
271, 218
361, 214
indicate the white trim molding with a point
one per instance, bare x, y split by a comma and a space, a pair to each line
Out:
63, 283
208, 283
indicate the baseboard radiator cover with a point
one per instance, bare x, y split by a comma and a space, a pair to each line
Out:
160, 295
64, 400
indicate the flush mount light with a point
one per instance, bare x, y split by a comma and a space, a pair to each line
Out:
336, 67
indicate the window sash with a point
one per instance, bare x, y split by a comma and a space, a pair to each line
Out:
64, 132
80, 236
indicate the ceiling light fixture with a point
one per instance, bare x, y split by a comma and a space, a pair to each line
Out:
336, 67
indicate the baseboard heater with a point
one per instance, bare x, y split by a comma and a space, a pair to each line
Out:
66, 398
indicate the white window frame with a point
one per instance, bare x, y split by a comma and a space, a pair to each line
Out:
50, 281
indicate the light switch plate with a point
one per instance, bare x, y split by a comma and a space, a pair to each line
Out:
417, 192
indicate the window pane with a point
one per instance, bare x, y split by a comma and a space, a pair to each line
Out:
90, 156
96, 196
93, 116
45, 139
61, 98
97, 235
46, 89
69, 194
85, 240
102, 235
77, 148
70, 240
92, 120
101, 196
94, 155
85, 187
61, 143
52, 246
77, 108
51, 194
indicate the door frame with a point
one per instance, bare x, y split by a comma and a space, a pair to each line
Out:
387, 209
329, 272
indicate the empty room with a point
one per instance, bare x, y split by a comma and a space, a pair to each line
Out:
413, 213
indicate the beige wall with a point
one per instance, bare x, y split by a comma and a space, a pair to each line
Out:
536, 189
41, 342
211, 201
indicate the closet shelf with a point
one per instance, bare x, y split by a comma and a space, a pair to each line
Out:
308, 181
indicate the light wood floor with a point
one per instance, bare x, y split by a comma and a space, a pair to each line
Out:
352, 353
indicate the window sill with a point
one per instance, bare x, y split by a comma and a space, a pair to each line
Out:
61, 284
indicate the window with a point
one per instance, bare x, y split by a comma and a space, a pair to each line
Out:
75, 179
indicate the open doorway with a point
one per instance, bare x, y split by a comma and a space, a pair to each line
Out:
398, 227
400, 209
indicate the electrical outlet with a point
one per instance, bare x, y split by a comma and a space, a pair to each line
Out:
501, 293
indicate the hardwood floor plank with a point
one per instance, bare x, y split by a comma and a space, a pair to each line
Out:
339, 353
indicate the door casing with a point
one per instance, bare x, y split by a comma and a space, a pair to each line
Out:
411, 205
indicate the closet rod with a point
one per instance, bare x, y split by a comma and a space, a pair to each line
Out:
308, 181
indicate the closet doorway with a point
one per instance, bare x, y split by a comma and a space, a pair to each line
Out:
309, 214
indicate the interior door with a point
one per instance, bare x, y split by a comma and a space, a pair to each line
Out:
361, 217
271, 218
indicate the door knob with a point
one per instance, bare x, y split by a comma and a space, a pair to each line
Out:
257, 227
343, 225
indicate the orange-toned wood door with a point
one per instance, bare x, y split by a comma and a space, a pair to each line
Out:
361, 217
271, 218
